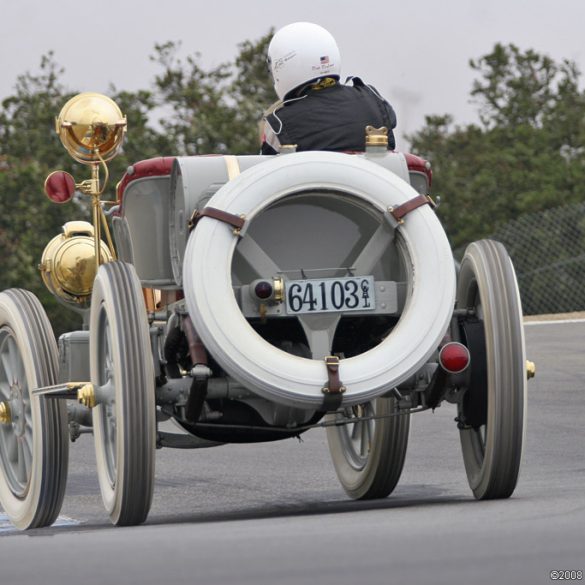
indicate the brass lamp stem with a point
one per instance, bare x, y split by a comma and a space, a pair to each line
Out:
102, 214
95, 179
106, 172
96, 208
98, 216
108, 235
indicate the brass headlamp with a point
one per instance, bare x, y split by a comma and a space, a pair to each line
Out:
68, 263
91, 127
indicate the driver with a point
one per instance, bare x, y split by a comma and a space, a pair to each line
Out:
315, 111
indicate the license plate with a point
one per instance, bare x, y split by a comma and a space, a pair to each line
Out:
326, 295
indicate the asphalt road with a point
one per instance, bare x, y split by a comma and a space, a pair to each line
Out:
274, 513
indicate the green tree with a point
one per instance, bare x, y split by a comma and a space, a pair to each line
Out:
143, 140
252, 92
195, 116
29, 150
188, 110
514, 87
216, 110
525, 156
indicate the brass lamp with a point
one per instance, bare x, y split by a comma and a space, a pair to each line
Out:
91, 127
68, 263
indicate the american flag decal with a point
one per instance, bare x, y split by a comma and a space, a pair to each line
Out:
324, 60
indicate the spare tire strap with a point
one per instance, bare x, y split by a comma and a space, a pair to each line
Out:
236, 221
399, 212
334, 390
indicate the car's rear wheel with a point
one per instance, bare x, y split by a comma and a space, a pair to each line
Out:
368, 455
492, 413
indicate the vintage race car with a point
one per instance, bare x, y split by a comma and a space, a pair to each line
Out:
252, 298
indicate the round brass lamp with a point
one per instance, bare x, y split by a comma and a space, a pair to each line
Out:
68, 265
91, 127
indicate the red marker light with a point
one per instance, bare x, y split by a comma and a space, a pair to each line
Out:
454, 357
60, 187
263, 290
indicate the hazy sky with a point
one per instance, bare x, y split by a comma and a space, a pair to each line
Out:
416, 53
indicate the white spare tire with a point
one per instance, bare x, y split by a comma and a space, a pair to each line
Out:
293, 380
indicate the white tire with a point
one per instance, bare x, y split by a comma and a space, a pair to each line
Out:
34, 445
122, 372
369, 455
294, 380
492, 415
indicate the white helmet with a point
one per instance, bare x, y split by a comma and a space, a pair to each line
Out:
300, 53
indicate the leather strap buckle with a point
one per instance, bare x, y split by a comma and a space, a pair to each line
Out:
399, 212
334, 390
236, 221
334, 385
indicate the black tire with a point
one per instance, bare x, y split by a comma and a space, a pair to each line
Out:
493, 413
368, 456
34, 445
122, 373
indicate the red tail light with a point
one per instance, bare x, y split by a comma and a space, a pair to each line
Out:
454, 357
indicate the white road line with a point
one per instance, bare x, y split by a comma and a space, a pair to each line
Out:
7, 526
553, 322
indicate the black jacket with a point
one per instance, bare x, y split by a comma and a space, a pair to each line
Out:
333, 118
